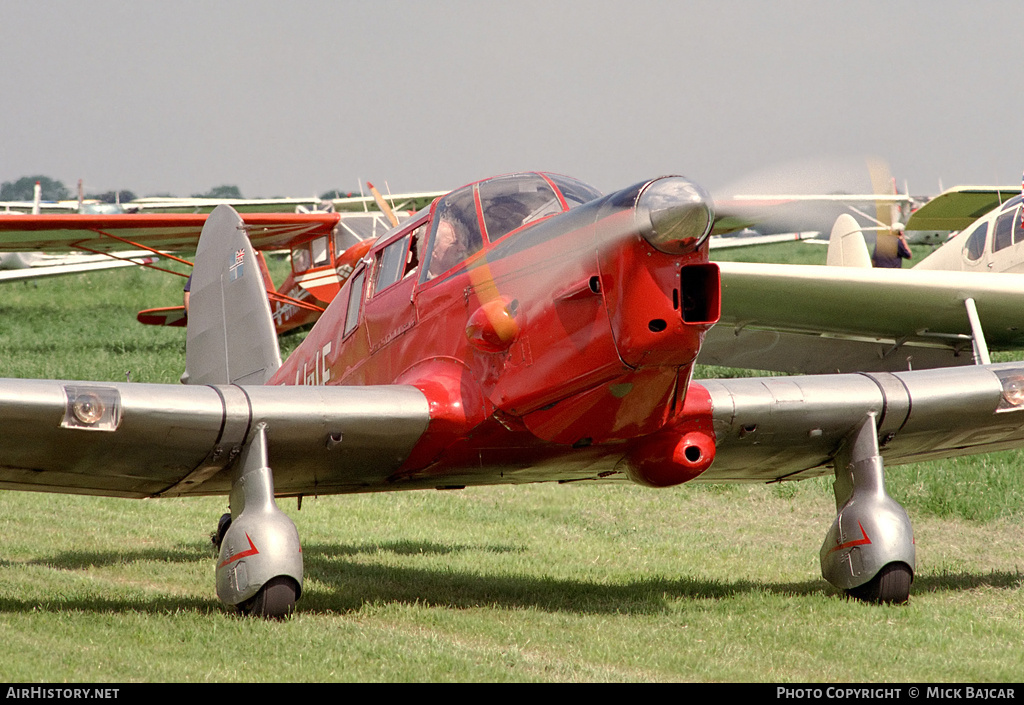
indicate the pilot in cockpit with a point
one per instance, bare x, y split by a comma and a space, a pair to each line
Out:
457, 234
449, 248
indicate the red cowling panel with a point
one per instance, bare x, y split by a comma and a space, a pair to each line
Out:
681, 452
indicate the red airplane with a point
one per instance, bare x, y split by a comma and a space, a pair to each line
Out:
321, 262
324, 246
321, 259
524, 328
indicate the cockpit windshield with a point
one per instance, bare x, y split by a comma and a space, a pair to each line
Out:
489, 210
509, 202
456, 232
1012, 203
576, 193
1008, 226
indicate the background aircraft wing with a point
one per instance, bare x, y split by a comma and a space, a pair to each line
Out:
399, 202
162, 204
958, 207
410, 202
164, 232
791, 213
26, 207
750, 238
817, 319
55, 267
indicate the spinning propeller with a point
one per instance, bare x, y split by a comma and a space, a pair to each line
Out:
809, 196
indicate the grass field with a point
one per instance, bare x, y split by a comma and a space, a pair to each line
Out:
538, 583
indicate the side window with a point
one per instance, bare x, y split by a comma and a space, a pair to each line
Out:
975, 245
321, 252
412, 260
1004, 231
300, 259
1018, 227
355, 300
391, 264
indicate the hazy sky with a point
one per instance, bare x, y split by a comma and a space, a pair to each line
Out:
296, 98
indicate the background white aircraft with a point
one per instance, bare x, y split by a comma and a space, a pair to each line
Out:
947, 310
398, 202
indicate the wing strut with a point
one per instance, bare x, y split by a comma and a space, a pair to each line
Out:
104, 233
981, 356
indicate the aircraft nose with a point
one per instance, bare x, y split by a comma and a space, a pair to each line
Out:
674, 214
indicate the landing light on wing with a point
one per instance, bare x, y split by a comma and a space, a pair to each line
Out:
1013, 391
91, 408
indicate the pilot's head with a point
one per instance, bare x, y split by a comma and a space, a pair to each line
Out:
448, 247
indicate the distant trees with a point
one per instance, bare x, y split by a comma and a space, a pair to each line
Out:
24, 189
220, 192
122, 196
52, 190
331, 195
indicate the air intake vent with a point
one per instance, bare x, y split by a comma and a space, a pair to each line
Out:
700, 288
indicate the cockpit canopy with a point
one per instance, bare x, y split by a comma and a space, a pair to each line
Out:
1007, 231
489, 210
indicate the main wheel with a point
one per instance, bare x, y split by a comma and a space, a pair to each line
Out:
890, 586
276, 599
223, 524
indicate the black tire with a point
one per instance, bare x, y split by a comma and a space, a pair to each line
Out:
891, 586
275, 600
223, 524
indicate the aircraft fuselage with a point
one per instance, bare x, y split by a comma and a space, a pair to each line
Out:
569, 328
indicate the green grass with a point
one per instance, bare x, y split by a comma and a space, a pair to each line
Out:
502, 584
794, 253
537, 583
788, 252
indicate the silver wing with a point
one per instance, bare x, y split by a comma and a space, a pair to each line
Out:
153, 440
774, 428
143, 440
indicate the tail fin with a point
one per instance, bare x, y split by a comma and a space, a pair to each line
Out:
231, 337
846, 246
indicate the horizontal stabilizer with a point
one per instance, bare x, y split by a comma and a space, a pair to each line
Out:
166, 316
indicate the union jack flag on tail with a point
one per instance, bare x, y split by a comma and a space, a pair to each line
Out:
237, 269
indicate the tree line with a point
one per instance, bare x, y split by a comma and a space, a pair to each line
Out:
23, 189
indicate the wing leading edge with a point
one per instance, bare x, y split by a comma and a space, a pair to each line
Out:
164, 232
